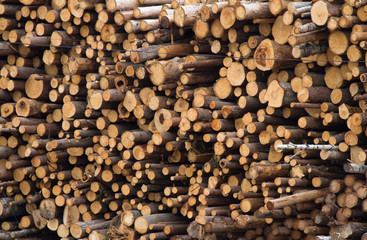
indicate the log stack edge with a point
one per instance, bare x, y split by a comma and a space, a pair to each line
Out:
183, 119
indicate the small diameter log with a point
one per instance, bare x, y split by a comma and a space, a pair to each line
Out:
296, 198
78, 230
219, 227
247, 221
292, 146
142, 223
308, 49
113, 5
355, 168
266, 171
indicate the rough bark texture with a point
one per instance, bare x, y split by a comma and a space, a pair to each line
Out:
185, 119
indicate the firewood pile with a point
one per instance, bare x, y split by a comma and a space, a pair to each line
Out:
183, 119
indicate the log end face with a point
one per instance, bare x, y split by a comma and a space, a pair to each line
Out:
141, 225
319, 13
68, 109
22, 107
72, 66
34, 88
201, 29
338, 42
222, 88
216, 125
296, 52
264, 55
96, 100
253, 173
204, 12
274, 95
236, 74
157, 75
76, 231
276, 7
270, 205
111, 5
179, 16
302, 122
56, 39
227, 17
280, 31
333, 78
303, 95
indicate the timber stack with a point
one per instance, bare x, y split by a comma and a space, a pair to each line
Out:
183, 119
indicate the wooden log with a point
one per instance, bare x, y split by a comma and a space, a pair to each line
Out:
321, 11
296, 198
113, 5
164, 71
7, 210
268, 53
142, 223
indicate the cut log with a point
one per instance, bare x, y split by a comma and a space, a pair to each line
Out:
268, 55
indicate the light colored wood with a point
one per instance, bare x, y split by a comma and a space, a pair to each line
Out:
296, 198
268, 53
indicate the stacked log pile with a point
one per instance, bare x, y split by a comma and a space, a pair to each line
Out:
184, 119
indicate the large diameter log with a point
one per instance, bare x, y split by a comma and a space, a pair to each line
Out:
252, 10
165, 71
142, 223
279, 94
185, 16
322, 10
37, 89
71, 214
296, 198
27, 107
353, 230
236, 74
338, 42
165, 119
280, 31
48, 208
271, 55
227, 17
74, 109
